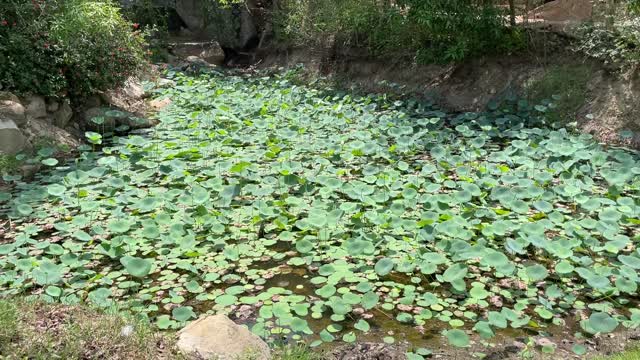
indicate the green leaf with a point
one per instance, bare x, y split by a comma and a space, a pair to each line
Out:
136, 267
457, 338
384, 266
602, 322
183, 313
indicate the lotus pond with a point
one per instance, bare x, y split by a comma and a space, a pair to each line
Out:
326, 216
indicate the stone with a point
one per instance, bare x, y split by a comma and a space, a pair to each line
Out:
53, 106
232, 26
100, 119
166, 83
11, 139
130, 91
93, 101
217, 337
12, 109
29, 171
35, 107
112, 118
63, 115
159, 104
37, 129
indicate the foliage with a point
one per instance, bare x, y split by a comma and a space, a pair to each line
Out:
632, 354
313, 206
433, 31
74, 46
618, 44
564, 88
153, 21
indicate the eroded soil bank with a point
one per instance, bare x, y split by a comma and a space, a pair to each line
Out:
600, 98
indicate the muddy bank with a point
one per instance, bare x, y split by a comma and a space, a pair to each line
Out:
606, 105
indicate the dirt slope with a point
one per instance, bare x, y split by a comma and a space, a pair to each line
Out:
608, 107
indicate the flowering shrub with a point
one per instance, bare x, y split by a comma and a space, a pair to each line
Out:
79, 47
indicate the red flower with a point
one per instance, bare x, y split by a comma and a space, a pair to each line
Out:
136, 26
46, 45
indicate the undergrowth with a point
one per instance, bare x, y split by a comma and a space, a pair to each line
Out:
37, 330
563, 88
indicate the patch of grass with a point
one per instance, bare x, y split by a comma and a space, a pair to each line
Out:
563, 86
37, 330
8, 164
633, 354
297, 352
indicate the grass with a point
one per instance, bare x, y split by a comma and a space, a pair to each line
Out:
8, 164
633, 354
37, 330
566, 87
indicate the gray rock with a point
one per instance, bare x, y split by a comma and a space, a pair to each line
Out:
35, 107
53, 106
11, 139
93, 101
38, 129
217, 337
105, 119
29, 171
101, 119
131, 91
12, 109
232, 26
63, 115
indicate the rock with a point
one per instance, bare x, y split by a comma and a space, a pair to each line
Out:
38, 129
11, 139
35, 107
93, 101
165, 83
63, 115
101, 119
12, 109
232, 26
29, 171
53, 106
217, 337
108, 119
131, 91
159, 104
127, 331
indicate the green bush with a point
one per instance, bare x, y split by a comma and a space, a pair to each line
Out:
432, 31
617, 44
75, 46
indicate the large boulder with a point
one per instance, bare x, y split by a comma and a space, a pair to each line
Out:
36, 107
232, 26
11, 139
63, 114
12, 109
38, 129
125, 96
217, 337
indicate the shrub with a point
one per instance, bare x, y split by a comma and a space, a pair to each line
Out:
74, 46
617, 44
434, 31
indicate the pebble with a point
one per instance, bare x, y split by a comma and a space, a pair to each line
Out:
127, 331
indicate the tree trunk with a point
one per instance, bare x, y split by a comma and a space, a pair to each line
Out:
512, 12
